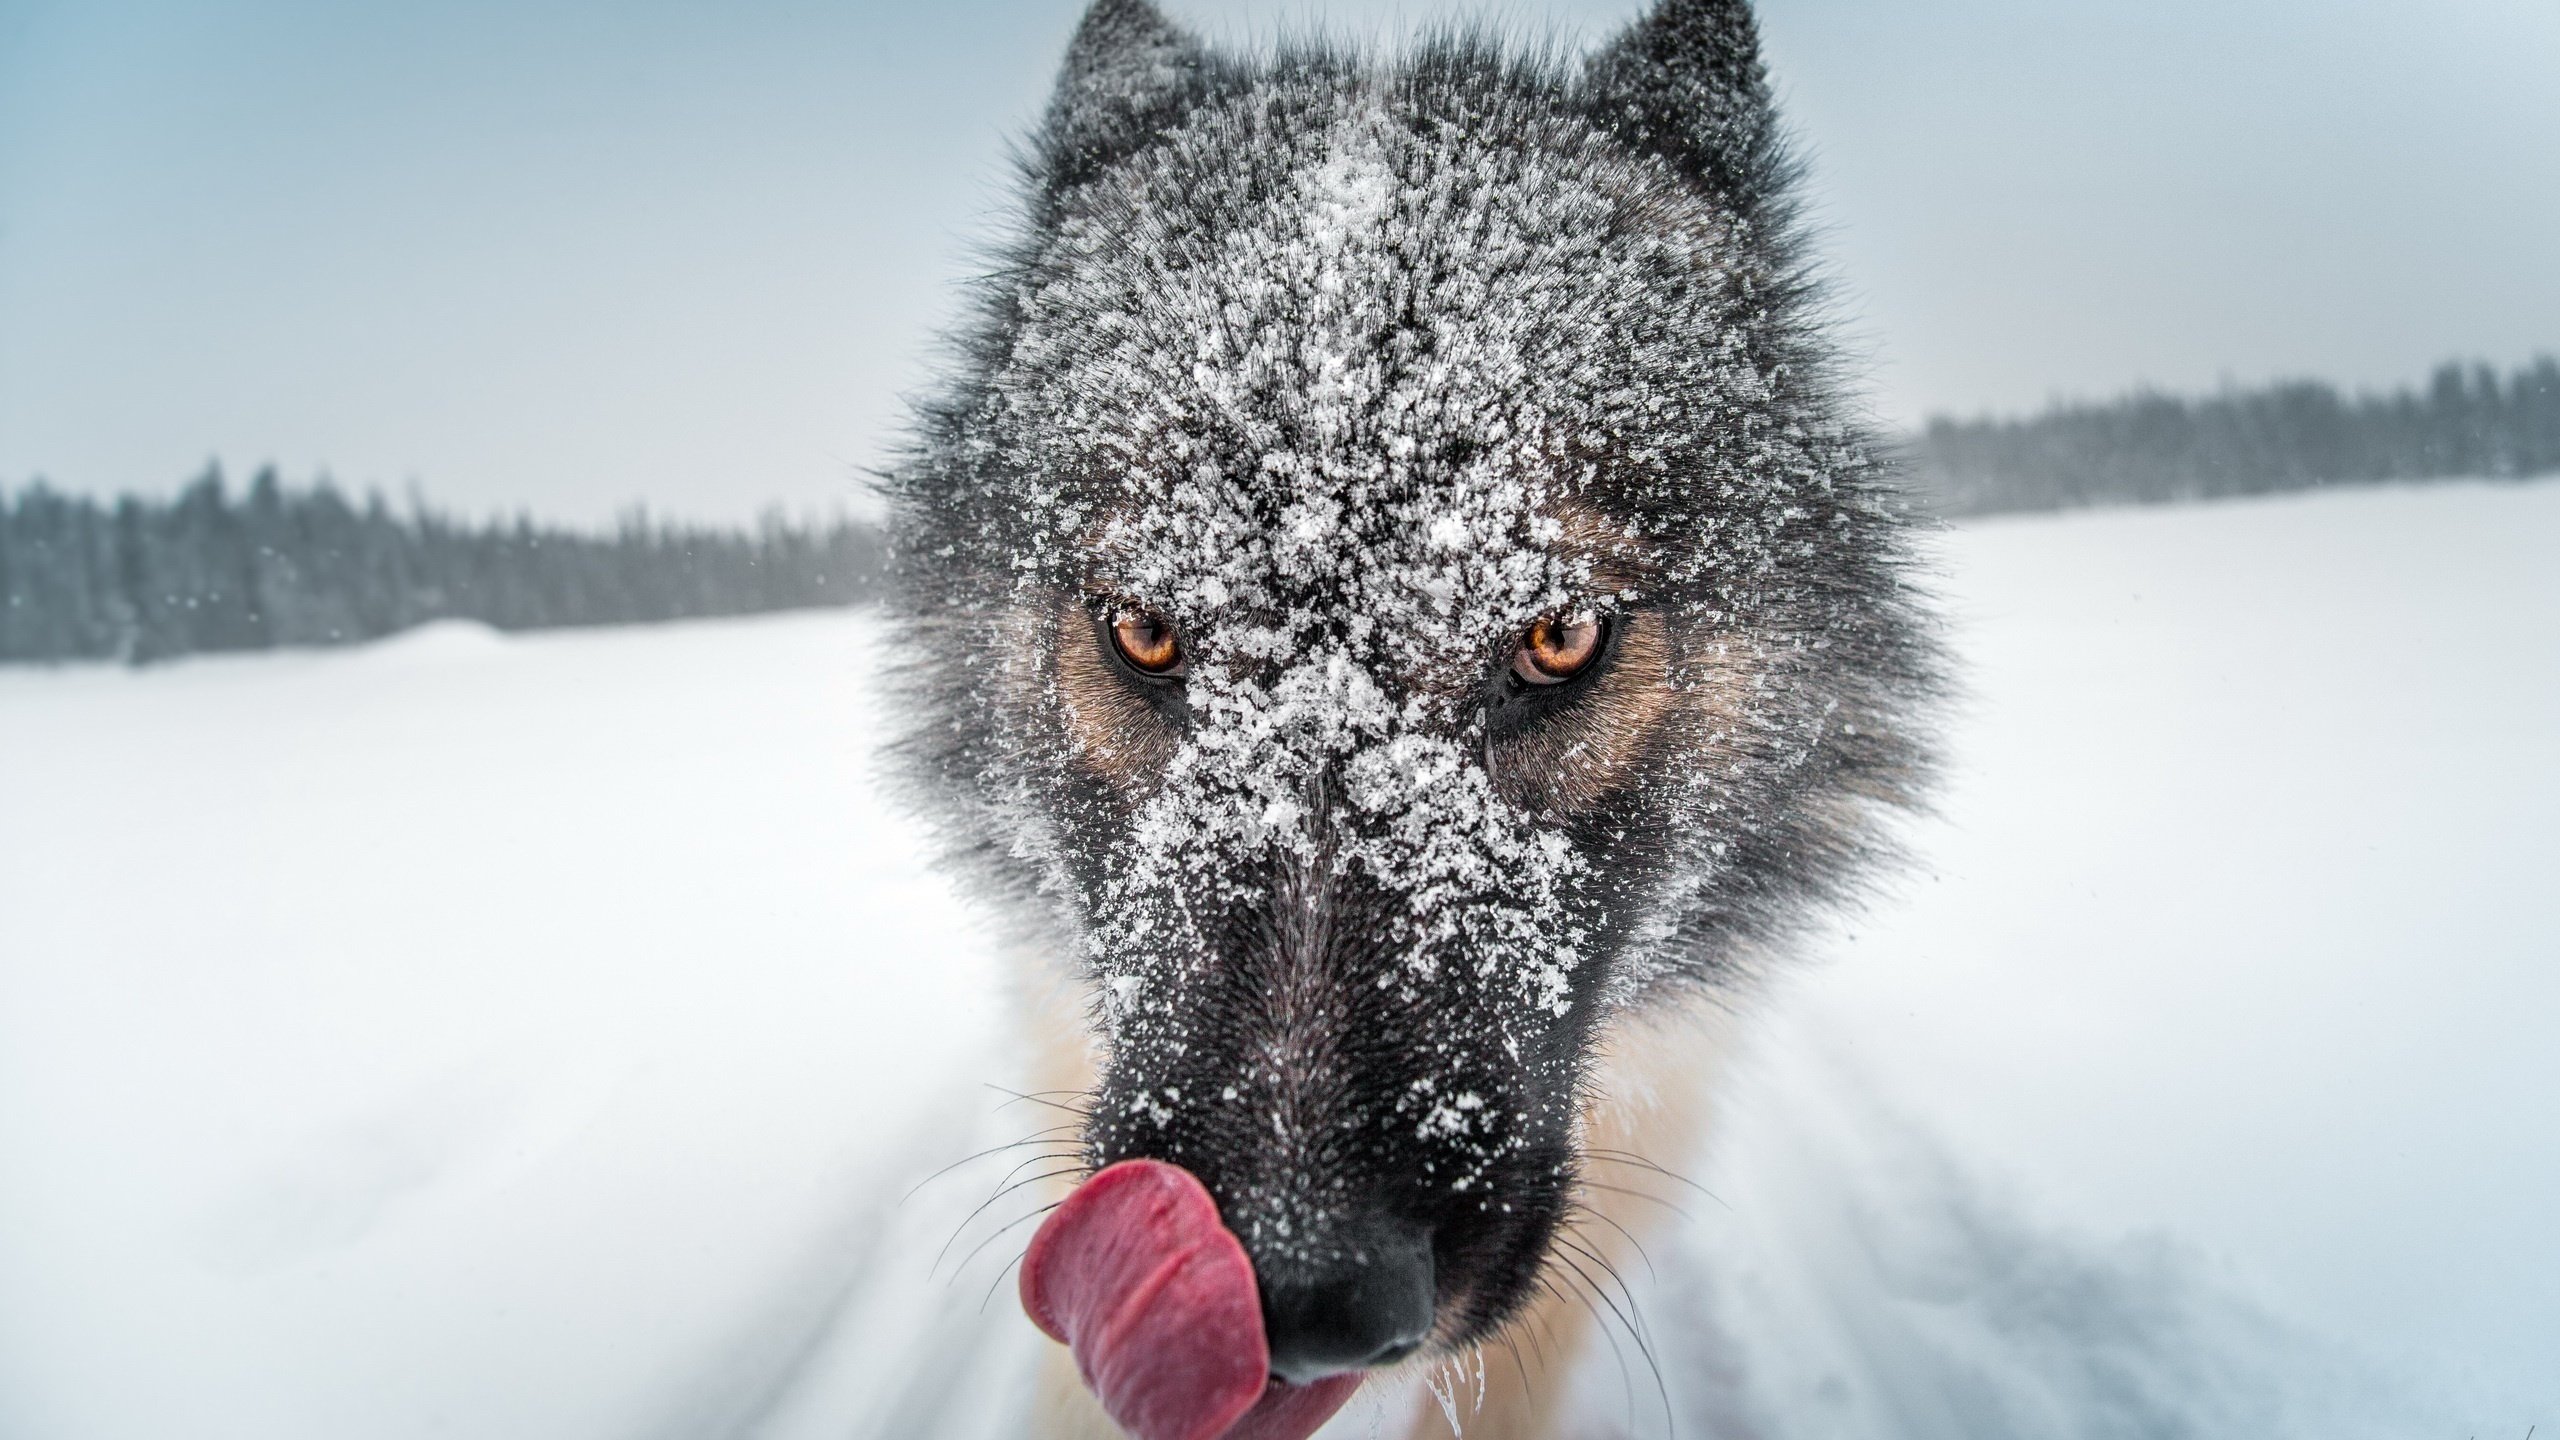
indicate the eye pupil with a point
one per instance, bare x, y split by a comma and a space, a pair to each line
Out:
1146, 640
1558, 647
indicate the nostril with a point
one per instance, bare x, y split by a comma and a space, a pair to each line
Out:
1370, 1306
1393, 1351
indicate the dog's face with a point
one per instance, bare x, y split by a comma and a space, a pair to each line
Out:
1395, 589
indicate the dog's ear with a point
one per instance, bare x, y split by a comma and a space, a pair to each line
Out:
1129, 72
1686, 83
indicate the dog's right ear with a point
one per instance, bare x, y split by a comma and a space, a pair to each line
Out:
1129, 73
1685, 82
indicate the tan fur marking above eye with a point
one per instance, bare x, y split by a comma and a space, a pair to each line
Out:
1656, 686
1572, 760
1110, 727
1665, 683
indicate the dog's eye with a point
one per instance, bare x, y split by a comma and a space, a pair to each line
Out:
1558, 647
1146, 641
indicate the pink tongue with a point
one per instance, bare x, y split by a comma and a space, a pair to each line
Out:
1137, 1277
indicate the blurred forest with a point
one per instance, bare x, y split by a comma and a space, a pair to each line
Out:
142, 580
2468, 421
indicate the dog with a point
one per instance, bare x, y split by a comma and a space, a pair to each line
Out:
1399, 606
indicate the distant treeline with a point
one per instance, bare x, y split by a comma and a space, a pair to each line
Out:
2468, 421
140, 580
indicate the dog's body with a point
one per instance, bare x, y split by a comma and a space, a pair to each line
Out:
1399, 609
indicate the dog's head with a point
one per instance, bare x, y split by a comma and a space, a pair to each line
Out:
1392, 586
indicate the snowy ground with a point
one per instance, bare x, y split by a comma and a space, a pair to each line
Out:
532, 1038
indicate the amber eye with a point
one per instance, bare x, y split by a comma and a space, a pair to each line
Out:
1146, 641
1558, 647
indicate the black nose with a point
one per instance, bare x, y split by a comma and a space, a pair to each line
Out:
1370, 1306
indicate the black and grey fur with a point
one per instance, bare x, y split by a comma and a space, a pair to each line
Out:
1353, 369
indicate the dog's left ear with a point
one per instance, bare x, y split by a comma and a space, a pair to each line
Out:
1129, 72
1686, 83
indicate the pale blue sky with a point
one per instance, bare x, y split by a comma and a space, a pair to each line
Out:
576, 253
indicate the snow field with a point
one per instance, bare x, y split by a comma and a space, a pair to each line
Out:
532, 1037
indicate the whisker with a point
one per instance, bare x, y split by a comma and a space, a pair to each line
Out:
1626, 1376
1529, 1392
1629, 1157
1606, 1189
1634, 1332
1017, 1221
1611, 1221
1537, 1345
1040, 1097
973, 1215
1602, 1261
989, 1297
1075, 1153
1033, 1138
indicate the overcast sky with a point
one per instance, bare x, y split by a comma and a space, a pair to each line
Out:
571, 254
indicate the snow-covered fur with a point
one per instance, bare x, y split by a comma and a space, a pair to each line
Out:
1353, 369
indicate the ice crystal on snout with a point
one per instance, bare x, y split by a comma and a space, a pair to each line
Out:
1350, 372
